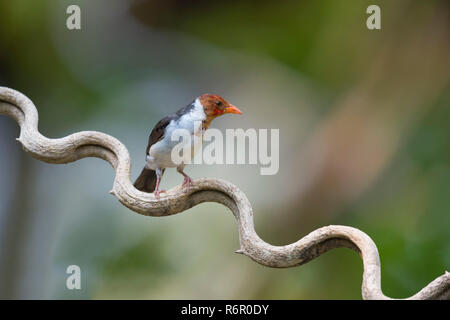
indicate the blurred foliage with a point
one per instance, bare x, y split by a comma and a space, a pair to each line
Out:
405, 211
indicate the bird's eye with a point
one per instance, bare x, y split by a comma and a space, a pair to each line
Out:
219, 103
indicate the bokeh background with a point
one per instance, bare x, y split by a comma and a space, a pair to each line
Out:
364, 141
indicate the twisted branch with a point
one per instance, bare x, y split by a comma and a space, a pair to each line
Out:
97, 144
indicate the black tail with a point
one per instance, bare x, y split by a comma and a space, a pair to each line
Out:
146, 181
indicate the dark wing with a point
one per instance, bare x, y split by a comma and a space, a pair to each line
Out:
160, 128
158, 132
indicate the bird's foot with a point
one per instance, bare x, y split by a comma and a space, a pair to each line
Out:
187, 183
158, 192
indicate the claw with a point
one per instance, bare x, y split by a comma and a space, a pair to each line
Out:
187, 183
158, 192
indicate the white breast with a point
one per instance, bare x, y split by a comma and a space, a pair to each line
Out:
160, 153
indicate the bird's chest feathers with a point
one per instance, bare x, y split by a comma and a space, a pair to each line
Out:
192, 122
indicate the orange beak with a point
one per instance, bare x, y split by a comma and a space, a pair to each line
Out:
232, 109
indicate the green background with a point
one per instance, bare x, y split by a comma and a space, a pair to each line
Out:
364, 141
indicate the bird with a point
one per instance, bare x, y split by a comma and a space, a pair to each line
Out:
196, 117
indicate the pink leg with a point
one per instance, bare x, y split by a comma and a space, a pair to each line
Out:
157, 192
187, 180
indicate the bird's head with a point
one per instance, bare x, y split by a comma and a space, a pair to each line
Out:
215, 106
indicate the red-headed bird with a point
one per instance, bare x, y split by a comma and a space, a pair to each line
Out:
201, 111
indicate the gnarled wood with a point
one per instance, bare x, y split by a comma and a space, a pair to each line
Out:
97, 144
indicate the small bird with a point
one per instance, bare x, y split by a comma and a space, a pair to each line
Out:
202, 110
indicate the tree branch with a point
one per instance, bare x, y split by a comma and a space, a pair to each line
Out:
97, 144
